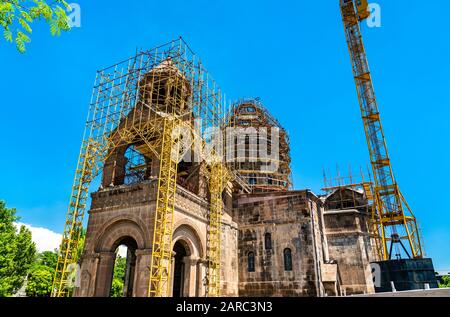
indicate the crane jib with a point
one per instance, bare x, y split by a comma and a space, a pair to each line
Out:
393, 213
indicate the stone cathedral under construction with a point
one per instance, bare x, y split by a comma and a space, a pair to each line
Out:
202, 217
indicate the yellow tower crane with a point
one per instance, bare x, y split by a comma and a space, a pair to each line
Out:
394, 221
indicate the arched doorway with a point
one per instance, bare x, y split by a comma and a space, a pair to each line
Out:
188, 270
102, 241
122, 279
179, 271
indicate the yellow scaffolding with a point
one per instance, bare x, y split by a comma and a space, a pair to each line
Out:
253, 129
219, 177
375, 228
163, 227
85, 172
160, 102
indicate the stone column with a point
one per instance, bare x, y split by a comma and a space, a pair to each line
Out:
129, 273
89, 266
199, 278
202, 266
142, 272
172, 272
190, 276
104, 274
186, 276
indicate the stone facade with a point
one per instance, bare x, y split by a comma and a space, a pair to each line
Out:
269, 226
349, 241
124, 215
280, 243
275, 241
328, 249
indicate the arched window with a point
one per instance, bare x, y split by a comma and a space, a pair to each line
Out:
135, 166
268, 241
251, 262
287, 259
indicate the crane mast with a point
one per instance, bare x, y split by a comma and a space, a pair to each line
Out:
394, 222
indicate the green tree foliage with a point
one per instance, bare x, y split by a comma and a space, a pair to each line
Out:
72, 274
17, 252
80, 248
116, 288
48, 259
445, 282
40, 279
118, 277
16, 16
40, 276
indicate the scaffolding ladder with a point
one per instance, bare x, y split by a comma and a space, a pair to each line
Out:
219, 177
68, 255
160, 269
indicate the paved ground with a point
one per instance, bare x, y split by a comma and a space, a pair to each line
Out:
435, 292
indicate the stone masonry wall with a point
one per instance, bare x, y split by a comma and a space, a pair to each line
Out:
349, 245
128, 211
287, 216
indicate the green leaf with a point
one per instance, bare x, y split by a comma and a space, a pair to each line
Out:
20, 45
54, 28
17, 252
26, 16
21, 13
8, 35
46, 11
23, 37
35, 13
66, 5
6, 7
25, 25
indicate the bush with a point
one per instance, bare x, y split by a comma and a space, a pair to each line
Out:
40, 281
445, 282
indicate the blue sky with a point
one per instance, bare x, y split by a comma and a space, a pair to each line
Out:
292, 54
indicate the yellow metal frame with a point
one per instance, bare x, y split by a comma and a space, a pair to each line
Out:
375, 228
251, 116
85, 172
393, 213
219, 177
160, 270
122, 112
